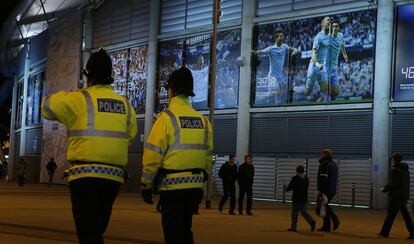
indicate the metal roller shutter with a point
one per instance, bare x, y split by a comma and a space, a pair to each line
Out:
402, 131
346, 133
173, 14
186, 14
268, 7
312, 171
264, 177
225, 131
120, 21
411, 169
354, 173
199, 13
268, 134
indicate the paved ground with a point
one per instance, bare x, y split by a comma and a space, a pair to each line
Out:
38, 214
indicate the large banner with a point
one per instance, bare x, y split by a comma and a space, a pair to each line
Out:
328, 59
129, 70
170, 58
195, 53
404, 55
137, 77
197, 58
120, 71
227, 71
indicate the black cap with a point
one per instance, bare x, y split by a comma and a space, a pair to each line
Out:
99, 68
181, 81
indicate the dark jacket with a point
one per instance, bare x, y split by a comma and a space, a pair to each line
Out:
245, 175
300, 186
327, 176
51, 166
228, 173
399, 186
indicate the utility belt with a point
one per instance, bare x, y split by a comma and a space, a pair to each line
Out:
96, 170
161, 180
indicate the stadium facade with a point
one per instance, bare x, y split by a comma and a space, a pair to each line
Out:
369, 118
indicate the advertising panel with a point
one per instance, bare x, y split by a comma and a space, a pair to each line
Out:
404, 55
327, 59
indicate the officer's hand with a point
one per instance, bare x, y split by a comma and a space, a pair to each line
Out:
147, 195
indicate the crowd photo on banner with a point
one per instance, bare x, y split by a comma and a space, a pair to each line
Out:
130, 75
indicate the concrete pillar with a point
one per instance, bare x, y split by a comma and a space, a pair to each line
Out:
24, 107
243, 114
152, 65
12, 150
381, 118
86, 46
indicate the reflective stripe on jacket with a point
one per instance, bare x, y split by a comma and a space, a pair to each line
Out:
100, 123
96, 171
180, 139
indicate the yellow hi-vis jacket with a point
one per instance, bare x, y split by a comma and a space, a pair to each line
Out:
180, 139
100, 125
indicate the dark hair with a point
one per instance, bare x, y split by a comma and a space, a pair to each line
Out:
397, 157
247, 156
232, 156
181, 82
336, 22
279, 31
300, 169
99, 68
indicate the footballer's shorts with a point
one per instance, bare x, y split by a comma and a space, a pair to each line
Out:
315, 74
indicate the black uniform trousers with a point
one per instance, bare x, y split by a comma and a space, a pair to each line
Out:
245, 190
177, 208
92, 200
330, 215
393, 207
229, 190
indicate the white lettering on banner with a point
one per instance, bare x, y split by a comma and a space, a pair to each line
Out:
265, 82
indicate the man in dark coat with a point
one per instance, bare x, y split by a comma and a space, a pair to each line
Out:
245, 177
398, 190
327, 183
228, 173
51, 168
299, 184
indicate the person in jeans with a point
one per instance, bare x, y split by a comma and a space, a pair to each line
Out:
299, 185
228, 173
398, 190
245, 177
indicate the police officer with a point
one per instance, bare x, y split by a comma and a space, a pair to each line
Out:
177, 155
100, 125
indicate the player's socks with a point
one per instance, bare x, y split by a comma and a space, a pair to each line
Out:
299, 89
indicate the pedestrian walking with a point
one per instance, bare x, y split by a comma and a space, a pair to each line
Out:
245, 176
228, 174
177, 157
100, 125
51, 167
398, 190
327, 184
299, 185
